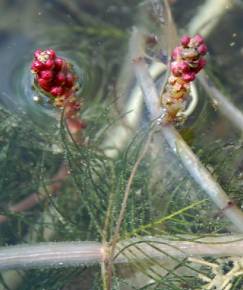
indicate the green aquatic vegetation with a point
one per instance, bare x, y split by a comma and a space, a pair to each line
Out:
138, 218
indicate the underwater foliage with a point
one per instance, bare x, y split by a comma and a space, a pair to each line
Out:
120, 200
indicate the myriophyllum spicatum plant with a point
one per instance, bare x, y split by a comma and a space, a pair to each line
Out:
56, 78
187, 61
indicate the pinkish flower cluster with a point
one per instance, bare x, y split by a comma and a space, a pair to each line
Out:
55, 77
187, 61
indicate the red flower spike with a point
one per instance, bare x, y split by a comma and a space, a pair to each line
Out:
55, 76
187, 62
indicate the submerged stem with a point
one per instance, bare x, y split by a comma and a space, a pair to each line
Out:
51, 255
66, 254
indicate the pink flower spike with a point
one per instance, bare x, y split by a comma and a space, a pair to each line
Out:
198, 39
189, 77
185, 40
202, 49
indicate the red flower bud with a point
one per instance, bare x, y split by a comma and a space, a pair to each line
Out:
58, 63
183, 66
175, 69
37, 53
185, 40
46, 75
189, 77
176, 53
49, 64
198, 39
51, 53
202, 49
60, 78
37, 66
44, 84
201, 63
69, 80
57, 91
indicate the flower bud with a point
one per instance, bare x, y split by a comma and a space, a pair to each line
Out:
183, 66
185, 40
37, 53
46, 75
44, 84
175, 68
176, 53
57, 91
49, 64
37, 66
60, 78
69, 80
202, 49
198, 39
51, 53
58, 63
189, 77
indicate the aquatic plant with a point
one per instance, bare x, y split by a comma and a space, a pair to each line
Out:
133, 202
187, 61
